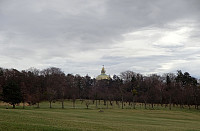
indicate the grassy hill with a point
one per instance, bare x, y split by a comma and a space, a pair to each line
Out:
80, 118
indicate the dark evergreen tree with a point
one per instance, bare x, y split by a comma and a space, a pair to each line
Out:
11, 93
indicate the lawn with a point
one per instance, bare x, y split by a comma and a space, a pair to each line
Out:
80, 118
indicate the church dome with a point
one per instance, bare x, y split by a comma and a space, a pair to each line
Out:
103, 75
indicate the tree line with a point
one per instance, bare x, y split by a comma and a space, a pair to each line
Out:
51, 84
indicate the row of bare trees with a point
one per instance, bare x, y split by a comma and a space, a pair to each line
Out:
52, 84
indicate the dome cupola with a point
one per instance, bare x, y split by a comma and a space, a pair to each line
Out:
103, 75
103, 71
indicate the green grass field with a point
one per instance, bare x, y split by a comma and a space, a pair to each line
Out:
80, 118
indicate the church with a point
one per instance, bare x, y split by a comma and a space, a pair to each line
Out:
103, 75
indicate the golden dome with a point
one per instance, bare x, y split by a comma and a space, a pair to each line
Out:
103, 75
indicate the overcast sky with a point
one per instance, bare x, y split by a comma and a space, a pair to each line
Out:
79, 36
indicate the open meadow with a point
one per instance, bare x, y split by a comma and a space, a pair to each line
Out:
80, 118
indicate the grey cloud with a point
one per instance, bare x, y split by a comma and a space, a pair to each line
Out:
119, 17
50, 33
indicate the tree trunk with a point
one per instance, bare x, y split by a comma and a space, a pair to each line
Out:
181, 106
50, 104
122, 102
111, 103
104, 102
161, 101
133, 103
145, 105
96, 103
107, 104
62, 104
117, 103
152, 105
38, 105
189, 106
13, 106
74, 103
170, 103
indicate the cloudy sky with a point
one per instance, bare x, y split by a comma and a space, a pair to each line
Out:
79, 36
